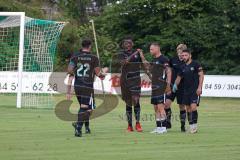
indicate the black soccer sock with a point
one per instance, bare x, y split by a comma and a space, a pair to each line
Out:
190, 118
86, 124
87, 121
168, 114
158, 123
81, 118
137, 111
163, 122
183, 117
195, 117
129, 114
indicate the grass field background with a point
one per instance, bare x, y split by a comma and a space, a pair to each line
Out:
30, 134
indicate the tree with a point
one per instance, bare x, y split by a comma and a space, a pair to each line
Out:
210, 28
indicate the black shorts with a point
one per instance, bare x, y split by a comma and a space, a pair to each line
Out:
130, 90
179, 96
85, 96
155, 100
190, 99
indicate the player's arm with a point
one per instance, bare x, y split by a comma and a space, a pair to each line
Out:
201, 78
178, 79
145, 63
70, 79
176, 83
122, 59
169, 78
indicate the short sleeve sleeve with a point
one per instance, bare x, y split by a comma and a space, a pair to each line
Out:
170, 62
73, 61
121, 56
166, 63
198, 67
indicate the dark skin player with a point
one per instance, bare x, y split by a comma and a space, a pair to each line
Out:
130, 82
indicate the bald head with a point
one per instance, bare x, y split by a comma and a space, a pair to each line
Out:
155, 49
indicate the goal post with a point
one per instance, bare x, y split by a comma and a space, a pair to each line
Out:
27, 52
20, 59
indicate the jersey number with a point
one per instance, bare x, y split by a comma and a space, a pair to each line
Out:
83, 69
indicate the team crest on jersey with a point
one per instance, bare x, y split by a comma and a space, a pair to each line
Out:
192, 68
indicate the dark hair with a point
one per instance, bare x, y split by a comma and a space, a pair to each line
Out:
86, 43
126, 39
187, 50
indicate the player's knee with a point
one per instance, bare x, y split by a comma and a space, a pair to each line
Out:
193, 107
161, 108
168, 103
182, 107
188, 108
135, 100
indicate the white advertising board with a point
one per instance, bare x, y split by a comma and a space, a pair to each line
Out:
47, 82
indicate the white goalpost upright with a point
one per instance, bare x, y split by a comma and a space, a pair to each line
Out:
20, 59
27, 52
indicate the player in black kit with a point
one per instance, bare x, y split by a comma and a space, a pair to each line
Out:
192, 75
130, 81
160, 75
176, 63
83, 67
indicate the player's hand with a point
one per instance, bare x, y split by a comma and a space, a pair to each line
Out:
140, 51
105, 70
175, 88
68, 96
199, 91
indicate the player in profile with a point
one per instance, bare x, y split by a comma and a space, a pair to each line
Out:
83, 67
192, 75
130, 82
160, 75
176, 63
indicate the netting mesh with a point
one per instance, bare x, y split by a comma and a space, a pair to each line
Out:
9, 43
40, 41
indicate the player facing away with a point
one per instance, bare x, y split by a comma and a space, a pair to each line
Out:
192, 75
176, 63
161, 79
83, 67
130, 82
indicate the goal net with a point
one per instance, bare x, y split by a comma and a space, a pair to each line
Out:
27, 52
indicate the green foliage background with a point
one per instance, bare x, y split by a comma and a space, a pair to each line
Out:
210, 28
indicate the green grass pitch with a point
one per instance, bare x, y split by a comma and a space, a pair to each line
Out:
37, 134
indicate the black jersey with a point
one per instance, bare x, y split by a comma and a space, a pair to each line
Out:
131, 69
190, 76
84, 64
130, 72
158, 66
176, 64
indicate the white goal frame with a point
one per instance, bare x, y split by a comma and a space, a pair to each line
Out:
21, 52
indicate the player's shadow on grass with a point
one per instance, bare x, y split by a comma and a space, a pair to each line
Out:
110, 102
